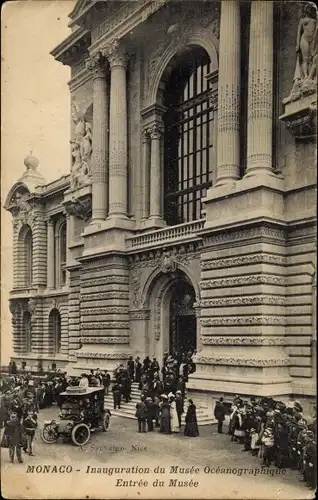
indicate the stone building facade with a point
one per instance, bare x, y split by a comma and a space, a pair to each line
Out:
188, 219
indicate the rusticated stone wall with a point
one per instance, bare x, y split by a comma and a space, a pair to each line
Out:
74, 309
242, 304
104, 301
301, 266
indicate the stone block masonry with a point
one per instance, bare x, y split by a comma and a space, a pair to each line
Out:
243, 313
104, 311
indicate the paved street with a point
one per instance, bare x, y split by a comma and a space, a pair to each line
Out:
123, 447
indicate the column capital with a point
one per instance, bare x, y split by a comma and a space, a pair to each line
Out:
145, 135
49, 220
155, 131
116, 54
97, 65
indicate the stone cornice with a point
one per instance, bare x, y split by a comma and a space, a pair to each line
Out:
69, 50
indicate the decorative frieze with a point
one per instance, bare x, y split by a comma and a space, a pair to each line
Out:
242, 260
104, 310
248, 340
105, 325
105, 340
258, 279
244, 320
244, 301
101, 355
255, 362
106, 280
105, 296
245, 235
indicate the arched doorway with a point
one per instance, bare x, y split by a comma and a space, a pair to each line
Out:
183, 322
55, 330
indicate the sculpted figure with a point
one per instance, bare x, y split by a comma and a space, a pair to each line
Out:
306, 44
306, 50
77, 176
87, 148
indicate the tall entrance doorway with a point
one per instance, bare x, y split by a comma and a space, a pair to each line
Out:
183, 323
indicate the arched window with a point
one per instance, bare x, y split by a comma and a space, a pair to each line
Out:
63, 254
25, 250
27, 331
188, 139
55, 329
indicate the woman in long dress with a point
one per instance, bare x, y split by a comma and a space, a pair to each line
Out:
165, 421
191, 428
174, 416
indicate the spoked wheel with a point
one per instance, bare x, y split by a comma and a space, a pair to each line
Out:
49, 434
106, 420
81, 434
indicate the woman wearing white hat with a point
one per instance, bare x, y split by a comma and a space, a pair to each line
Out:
173, 414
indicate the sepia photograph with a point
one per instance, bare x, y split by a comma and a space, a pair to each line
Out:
158, 249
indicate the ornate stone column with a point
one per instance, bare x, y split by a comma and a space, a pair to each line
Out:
117, 58
156, 181
97, 65
50, 253
145, 174
260, 89
228, 133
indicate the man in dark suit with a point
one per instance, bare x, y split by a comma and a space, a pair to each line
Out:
141, 414
219, 413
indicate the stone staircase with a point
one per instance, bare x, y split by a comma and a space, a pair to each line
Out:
128, 410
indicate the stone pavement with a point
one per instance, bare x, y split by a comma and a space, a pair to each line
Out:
215, 466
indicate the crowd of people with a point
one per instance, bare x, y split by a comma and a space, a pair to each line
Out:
273, 431
162, 392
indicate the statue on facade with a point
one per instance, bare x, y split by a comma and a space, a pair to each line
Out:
305, 76
81, 149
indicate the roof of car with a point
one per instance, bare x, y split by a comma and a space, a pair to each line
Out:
80, 391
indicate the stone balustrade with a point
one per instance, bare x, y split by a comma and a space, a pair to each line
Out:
165, 235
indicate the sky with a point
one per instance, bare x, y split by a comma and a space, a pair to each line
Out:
35, 112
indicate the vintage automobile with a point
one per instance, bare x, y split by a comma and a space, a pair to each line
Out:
82, 411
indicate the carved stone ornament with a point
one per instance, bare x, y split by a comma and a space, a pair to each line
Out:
255, 362
102, 355
243, 320
135, 287
300, 107
168, 263
80, 207
301, 120
248, 340
105, 340
97, 65
81, 150
305, 75
115, 53
32, 308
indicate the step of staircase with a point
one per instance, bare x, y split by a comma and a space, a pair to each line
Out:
128, 410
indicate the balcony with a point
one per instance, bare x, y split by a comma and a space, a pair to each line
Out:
161, 237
